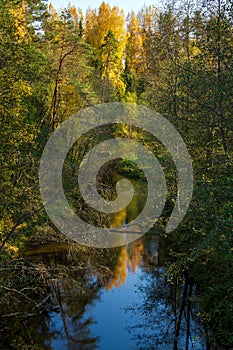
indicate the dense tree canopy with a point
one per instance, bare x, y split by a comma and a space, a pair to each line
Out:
177, 60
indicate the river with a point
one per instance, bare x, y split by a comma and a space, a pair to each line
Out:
116, 298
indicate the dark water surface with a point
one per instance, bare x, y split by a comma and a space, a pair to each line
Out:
117, 298
135, 308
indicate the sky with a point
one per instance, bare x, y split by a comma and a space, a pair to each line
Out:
126, 5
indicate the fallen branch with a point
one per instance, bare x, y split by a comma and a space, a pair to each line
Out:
44, 301
18, 292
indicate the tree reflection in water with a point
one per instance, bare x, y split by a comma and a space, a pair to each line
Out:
169, 310
70, 283
75, 279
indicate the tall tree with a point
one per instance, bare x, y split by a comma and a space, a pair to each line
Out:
103, 29
23, 102
69, 55
135, 55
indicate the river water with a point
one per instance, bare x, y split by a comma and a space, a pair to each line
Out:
116, 298
134, 309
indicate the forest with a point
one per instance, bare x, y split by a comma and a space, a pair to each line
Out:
176, 59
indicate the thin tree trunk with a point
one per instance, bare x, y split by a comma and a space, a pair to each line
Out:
178, 325
188, 333
219, 72
56, 89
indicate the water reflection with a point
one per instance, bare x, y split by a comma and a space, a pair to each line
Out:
119, 299
107, 299
115, 298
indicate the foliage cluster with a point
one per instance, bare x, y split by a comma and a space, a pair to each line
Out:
176, 60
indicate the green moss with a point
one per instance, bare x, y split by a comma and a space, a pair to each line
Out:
130, 169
